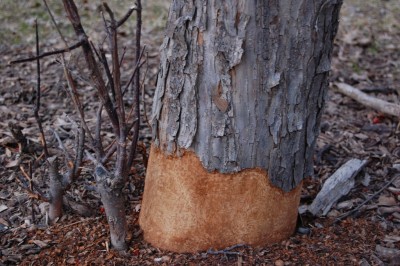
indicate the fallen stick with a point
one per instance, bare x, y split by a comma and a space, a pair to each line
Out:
364, 99
347, 214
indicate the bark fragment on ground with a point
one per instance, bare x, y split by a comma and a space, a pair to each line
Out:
336, 186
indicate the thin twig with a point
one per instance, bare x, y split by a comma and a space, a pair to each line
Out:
96, 76
75, 99
136, 86
37, 106
98, 141
25, 174
109, 152
226, 251
110, 84
39, 56
39, 195
31, 188
138, 65
143, 94
347, 214
127, 15
61, 146
121, 149
80, 146
55, 23
73, 171
78, 222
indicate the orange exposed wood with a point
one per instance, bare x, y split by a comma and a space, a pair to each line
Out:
187, 209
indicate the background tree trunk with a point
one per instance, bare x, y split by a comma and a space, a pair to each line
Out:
241, 86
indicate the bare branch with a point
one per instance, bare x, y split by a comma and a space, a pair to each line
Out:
143, 94
136, 87
39, 56
98, 82
75, 99
110, 152
121, 149
37, 106
80, 145
135, 70
68, 157
103, 60
98, 140
127, 15
55, 23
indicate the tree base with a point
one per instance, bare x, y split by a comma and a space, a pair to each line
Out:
185, 208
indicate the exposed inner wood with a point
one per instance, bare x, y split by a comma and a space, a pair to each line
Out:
185, 208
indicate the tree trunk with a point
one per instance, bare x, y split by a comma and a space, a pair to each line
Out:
236, 114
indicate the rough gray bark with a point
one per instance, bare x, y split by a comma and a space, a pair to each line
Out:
242, 83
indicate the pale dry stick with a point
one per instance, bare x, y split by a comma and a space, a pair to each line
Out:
79, 222
372, 102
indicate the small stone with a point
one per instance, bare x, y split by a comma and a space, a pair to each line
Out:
3, 208
71, 260
364, 262
396, 166
333, 214
279, 263
366, 180
318, 225
303, 230
165, 258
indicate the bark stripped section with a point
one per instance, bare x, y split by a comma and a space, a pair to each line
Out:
242, 83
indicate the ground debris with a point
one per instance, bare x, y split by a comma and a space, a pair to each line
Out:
336, 186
